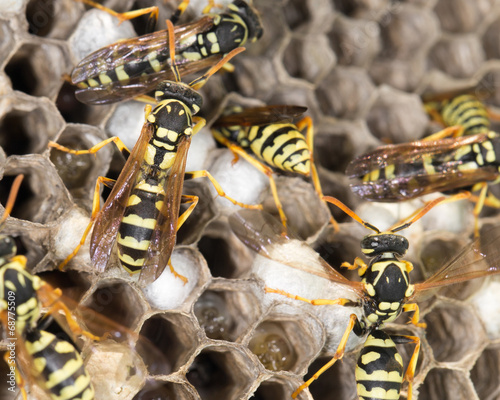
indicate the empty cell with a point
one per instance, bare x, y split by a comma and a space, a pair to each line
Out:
446, 384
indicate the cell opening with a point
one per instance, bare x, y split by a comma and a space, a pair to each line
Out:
26, 201
164, 390
484, 374
217, 253
41, 17
172, 337
16, 138
296, 14
269, 391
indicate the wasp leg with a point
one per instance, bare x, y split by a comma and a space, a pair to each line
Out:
416, 315
211, 4
483, 199
180, 10
94, 149
410, 371
239, 152
431, 109
51, 298
453, 131
307, 123
186, 199
95, 211
353, 320
358, 263
152, 11
314, 302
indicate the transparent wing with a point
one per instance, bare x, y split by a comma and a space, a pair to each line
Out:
261, 115
477, 260
267, 236
164, 235
109, 218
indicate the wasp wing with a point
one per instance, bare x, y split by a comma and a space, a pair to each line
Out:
164, 235
420, 183
477, 260
108, 220
267, 236
261, 115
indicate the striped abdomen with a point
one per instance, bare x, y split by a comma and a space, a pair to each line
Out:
15, 279
281, 146
171, 120
466, 111
59, 365
379, 370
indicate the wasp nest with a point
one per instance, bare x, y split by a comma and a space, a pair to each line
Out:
358, 66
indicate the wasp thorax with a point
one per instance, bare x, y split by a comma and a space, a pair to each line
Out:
379, 243
179, 91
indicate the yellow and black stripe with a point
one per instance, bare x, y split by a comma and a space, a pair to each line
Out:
15, 278
59, 366
464, 110
379, 370
170, 121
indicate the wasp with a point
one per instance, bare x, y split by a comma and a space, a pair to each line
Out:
142, 212
273, 140
133, 67
383, 294
34, 354
56, 363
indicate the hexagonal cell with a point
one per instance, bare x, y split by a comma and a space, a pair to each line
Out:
226, 314
272, 344
487, 87
454, 333
308, 57
461, 16
296, 13
275, 388
226, 256
41, 77
40, 199
333, 151
72, 283
355, 42
446, 384
363, 8
27, 129
222, 373
338, 379
45, 18
407, 32
255, 77
485, 372
79, 173
397, 117
345, 93
175, 338
165, 390
117, 301
402, 75
459, 56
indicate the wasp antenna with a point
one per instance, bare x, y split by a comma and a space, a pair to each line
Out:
429, 206
199, 82
171, 43
349, 212
12, 198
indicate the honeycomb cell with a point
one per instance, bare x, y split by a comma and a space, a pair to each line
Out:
355, 42
402, 75
453, 333
27, 128
6, 41
221, 372
255, 77
226, 314
461, 16
446, 384
487, 87
117, 301
308, 58
72, 283
272, 345
41, 77
166, 390
345, 93
485, 372
363, 8
80, 172
296, 13
332, 150
338, 379
40, 199
174, 337
407, 32
459, 56
226, 256
491, 42
397, 117
487, 304
45, 18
